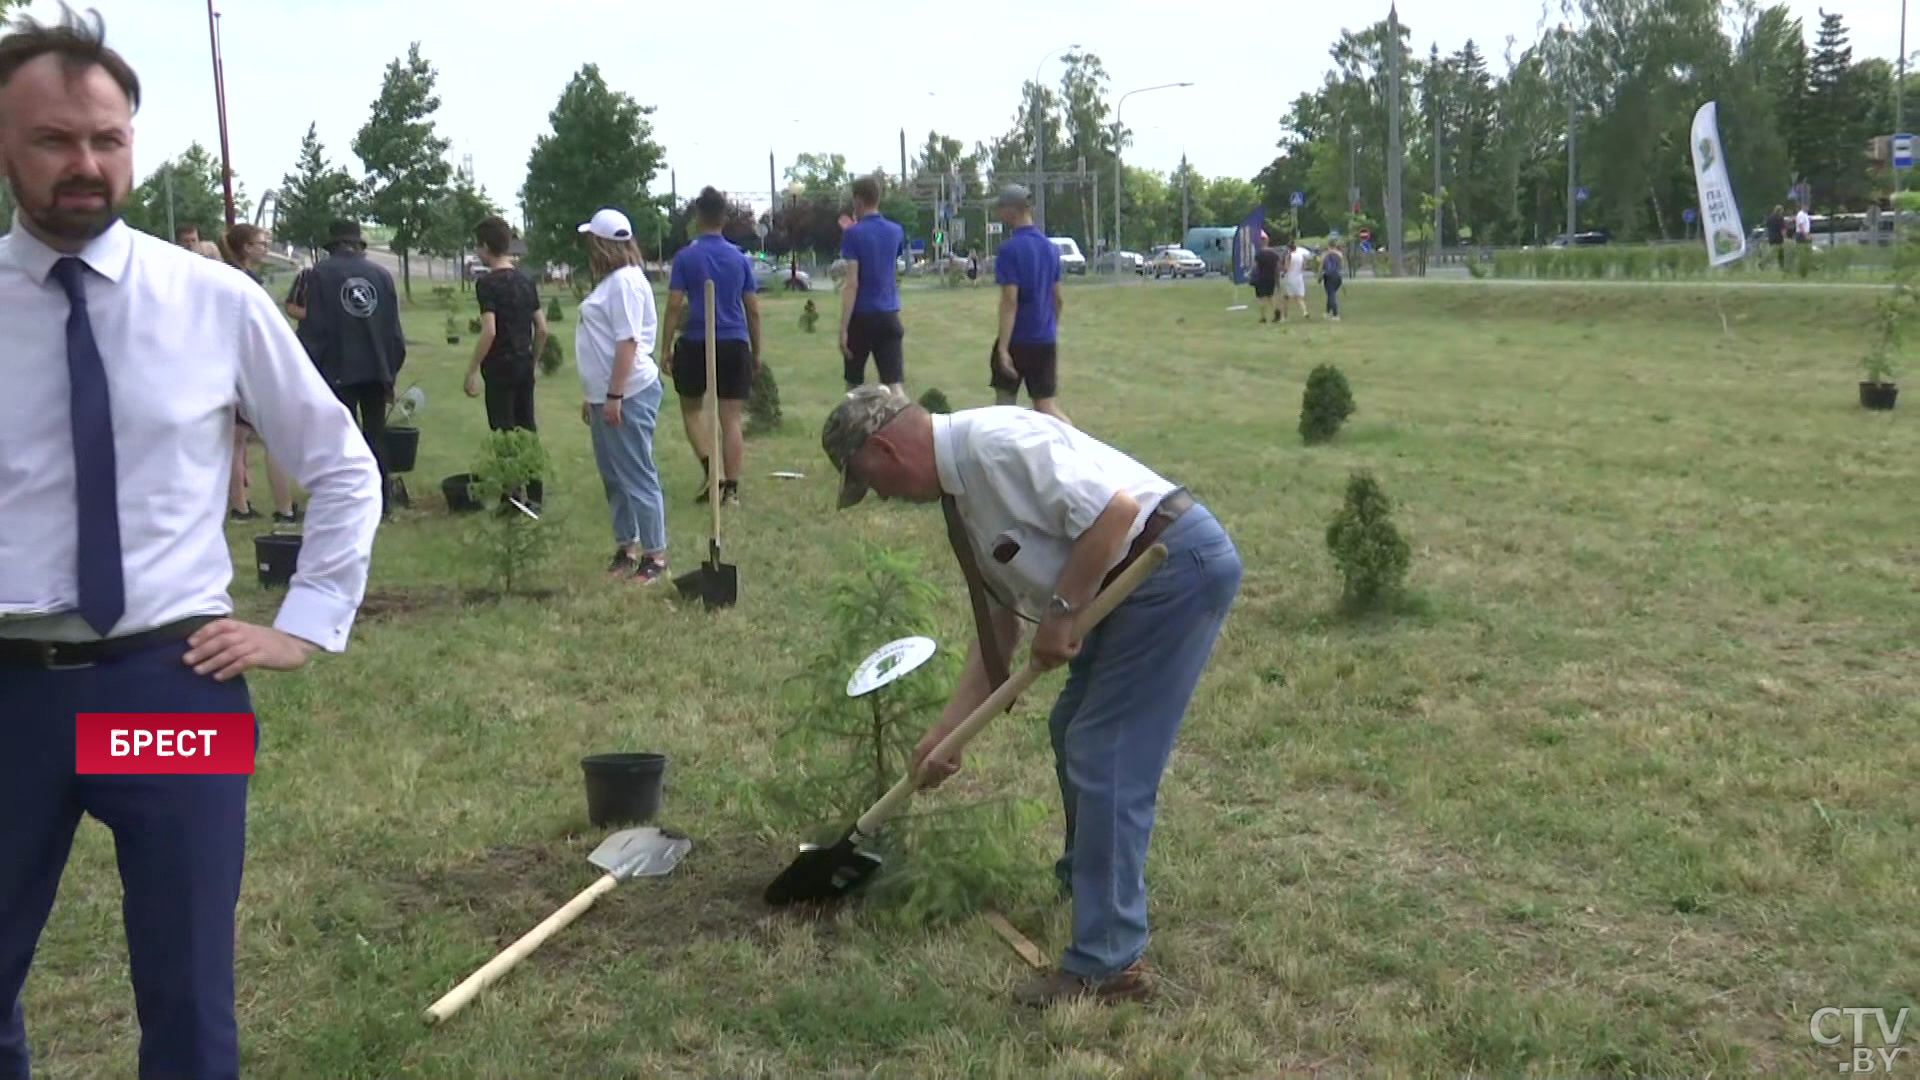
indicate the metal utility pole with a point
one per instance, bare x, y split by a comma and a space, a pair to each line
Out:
1118, 132
1573, 192
1899, 96
1394, 233
903, 155
1438, 202
1183, 196
220, 104
1573, 183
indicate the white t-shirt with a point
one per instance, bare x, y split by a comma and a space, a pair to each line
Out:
619, 309
1802, 224
1022, 476
1297, 263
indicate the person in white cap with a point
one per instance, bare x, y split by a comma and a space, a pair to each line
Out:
620, 384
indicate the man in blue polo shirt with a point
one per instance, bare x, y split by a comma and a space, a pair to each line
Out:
869, 303
1027, 270
736, 334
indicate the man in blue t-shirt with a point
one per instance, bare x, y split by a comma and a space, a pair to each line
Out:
869, 302
1027, 270
736, 336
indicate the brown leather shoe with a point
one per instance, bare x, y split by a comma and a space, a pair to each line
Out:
1057, 986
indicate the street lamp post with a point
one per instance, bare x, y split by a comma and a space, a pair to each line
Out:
1040, 140
1118, 132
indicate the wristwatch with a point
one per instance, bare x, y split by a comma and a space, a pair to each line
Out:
1058, 605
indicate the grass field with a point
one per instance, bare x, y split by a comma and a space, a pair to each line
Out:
1628, 790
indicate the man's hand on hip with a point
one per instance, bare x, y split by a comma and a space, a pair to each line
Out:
225, 648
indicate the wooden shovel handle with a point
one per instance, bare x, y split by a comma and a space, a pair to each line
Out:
457, 998
716, 468
998, 701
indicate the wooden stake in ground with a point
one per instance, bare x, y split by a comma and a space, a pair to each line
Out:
1028, 950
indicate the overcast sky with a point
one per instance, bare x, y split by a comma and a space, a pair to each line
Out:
733, 80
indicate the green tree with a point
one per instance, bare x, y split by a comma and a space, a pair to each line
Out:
313, 195
405, 160
197, 197
820, 175
1837, 112
450, 233
600, 152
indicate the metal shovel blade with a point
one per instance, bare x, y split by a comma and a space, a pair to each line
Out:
715, 584
823, 874
641, 852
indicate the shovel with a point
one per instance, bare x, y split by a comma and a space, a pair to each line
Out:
822, 874
717, 584
630, 853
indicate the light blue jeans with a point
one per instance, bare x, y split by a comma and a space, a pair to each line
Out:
625, 457
1113, 728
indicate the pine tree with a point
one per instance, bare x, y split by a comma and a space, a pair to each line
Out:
1836, 112
311, 196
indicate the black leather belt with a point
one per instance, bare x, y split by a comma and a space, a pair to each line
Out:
33, 655
1177, 502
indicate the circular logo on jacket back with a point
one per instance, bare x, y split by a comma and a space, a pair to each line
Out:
359, 297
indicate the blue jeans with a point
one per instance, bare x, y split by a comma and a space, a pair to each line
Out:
1113, 728
625, 457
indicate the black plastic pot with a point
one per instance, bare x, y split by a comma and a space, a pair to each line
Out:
459, 495
276, 554
1880, 396
623, 789
403, 449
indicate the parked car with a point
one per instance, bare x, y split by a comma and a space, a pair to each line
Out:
1178, 262
1121, 262
1071, 261
778, 275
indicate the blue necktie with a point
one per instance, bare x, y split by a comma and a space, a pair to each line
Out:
103, 596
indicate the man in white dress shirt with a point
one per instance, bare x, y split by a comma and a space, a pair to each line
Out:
1041, 517
124, 360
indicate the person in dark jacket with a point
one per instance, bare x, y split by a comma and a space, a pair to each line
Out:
351, 328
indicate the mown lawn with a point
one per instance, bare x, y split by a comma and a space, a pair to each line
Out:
1626, 789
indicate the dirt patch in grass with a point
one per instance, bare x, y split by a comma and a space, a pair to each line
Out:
713, 894
400, 603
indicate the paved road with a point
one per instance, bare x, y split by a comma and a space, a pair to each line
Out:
1460, 276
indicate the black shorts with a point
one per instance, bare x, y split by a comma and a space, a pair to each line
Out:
877, 334
1036, 365
732, 363
1263, 289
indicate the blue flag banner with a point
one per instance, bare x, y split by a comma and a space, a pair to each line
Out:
1246, 241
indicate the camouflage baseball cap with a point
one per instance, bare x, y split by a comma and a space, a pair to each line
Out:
863, 412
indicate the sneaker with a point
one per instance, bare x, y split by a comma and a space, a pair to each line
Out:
249, 514
623, 565
1057, 986
649, 570
729, 493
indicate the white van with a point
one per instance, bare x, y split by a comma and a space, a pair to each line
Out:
1071, 261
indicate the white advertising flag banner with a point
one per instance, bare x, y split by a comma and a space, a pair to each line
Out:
1726, 238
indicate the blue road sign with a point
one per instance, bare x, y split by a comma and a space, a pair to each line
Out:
1903, 151
1299, 200
1580, 194
1687, 215
1366, 247
919, 245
